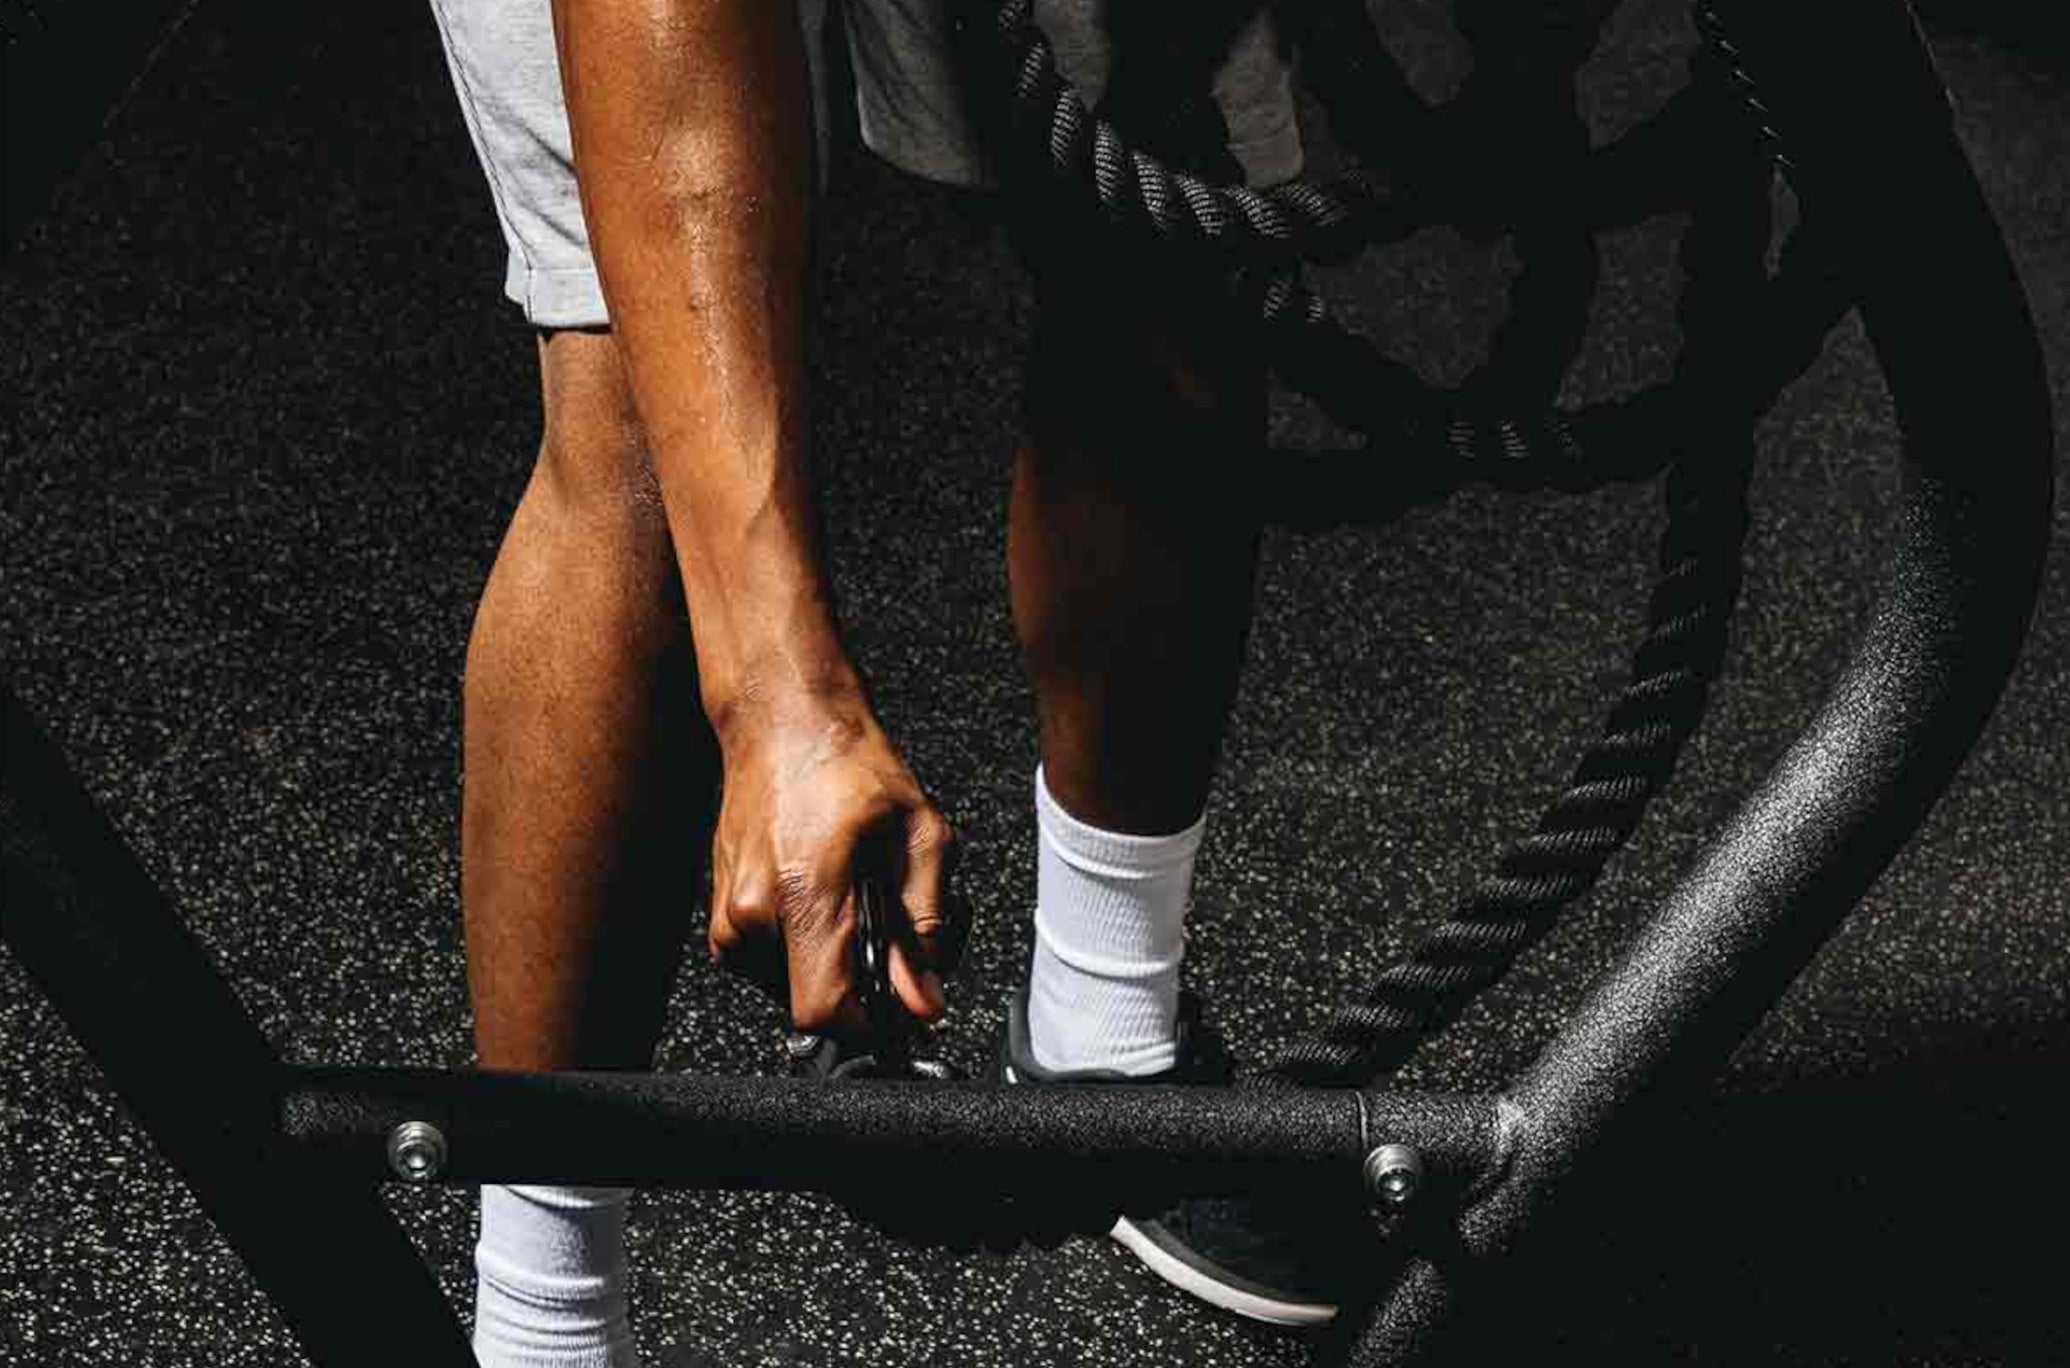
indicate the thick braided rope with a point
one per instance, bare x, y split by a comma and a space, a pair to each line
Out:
1542, 330
1363, 91
1481, 433
1320, 221
1438, 442
1672, 670
1745, 339
1500, 425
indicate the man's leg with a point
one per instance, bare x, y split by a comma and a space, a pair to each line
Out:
1132, 569
1131, 581
589, 775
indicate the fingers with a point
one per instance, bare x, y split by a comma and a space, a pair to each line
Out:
918, 987
787, 917
744, 937
793, 933
819, 926
929, 861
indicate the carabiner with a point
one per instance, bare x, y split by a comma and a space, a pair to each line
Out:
885, 1049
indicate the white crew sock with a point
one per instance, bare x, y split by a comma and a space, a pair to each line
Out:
1110, 912
551, 1282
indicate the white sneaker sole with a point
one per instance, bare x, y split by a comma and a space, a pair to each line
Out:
1187, 1278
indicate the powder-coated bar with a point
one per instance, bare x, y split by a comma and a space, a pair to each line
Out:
662, 1130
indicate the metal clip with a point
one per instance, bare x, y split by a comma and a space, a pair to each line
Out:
885, 1049
889, 1026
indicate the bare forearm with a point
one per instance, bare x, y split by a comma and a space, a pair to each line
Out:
692, 131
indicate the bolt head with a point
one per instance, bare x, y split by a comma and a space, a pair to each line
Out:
1394, 1174
416, 1151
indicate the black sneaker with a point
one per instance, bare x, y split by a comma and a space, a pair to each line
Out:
1229, 1252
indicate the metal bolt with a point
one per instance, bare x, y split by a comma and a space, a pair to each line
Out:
416, 1151
1394, 1173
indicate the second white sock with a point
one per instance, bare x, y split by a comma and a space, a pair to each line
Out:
551, 1277
1110, 914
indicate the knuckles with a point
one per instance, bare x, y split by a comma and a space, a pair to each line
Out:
799, 892
752, 901
724, 937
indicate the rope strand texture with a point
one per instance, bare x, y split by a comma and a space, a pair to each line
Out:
1672, 670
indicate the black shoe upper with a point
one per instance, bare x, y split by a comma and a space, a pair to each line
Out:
1260, 1246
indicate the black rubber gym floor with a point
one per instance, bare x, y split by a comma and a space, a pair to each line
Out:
270, 415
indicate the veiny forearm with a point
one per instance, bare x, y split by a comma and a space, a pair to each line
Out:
693, 144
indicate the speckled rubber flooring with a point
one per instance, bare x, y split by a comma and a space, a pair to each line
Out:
269, 414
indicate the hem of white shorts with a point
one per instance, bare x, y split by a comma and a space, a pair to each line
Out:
945, 161
571, 297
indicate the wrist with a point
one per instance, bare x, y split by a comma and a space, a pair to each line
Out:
766, 640
795, 684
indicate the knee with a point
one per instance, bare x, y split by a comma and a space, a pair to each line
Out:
591, 472
1158, 372
594, 457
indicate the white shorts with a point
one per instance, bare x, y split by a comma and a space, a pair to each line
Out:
501, 53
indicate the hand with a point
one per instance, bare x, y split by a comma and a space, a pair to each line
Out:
816, 797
